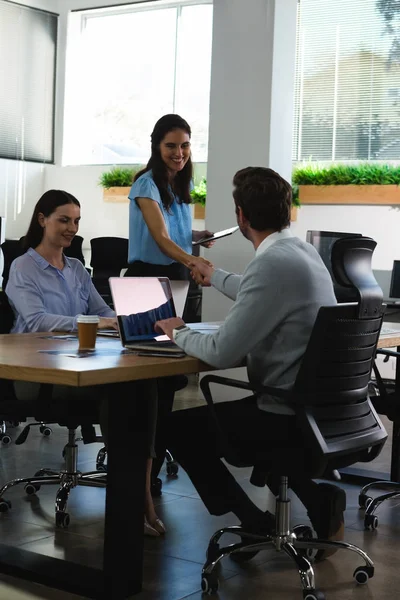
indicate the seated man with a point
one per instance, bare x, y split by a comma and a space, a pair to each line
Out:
268, 327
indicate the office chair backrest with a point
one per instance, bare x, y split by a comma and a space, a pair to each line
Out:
109, 256
352, 268
6, 314
338, 361
11, 250
337, 364
75, 249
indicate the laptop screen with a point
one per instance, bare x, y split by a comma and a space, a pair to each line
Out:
139, 303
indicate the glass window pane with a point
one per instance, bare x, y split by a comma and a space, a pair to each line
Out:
193, 74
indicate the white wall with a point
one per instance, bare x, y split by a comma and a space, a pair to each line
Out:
251, 108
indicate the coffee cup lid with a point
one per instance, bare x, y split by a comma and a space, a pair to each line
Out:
88, 319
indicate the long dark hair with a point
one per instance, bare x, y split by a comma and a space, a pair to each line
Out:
183, 178
46, 205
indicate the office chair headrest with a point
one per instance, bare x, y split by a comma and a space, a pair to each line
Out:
351, 266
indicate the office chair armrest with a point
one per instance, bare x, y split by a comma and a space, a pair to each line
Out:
388, 353
243, 385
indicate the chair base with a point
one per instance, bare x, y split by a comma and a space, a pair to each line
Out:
299, 543
301, 551
371, 504
66, 479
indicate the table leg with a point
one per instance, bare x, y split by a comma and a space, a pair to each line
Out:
123, 531
395, 460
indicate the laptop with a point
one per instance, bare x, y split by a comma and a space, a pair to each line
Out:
179, 293
139, 303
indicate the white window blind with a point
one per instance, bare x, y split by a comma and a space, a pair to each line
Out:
347, 93
28, 40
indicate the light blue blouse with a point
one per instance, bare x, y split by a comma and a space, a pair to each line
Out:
44, 298
178, 221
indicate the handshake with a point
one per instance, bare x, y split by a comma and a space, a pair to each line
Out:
201, 270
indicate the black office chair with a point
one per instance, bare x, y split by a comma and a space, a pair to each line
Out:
11, 250
192, 312
75, 249
109, 256
6, 386
338, 424
66, 414
386, 402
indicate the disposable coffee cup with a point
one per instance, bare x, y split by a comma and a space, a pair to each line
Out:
87, 331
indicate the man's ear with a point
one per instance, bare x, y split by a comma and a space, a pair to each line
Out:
241, 219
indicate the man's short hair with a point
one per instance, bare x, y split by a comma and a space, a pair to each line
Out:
264, 197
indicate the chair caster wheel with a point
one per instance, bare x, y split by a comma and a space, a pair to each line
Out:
156, 487
362, 574
172, 469
209, 583
6, 439
5, 505
371, 522
313, 595
62, 520
31, 488
45, 430
364, 501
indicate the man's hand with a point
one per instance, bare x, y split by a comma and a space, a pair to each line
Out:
108, 323
199, 235
202, 273
168, 325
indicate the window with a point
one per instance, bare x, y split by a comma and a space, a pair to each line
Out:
28, 39
127, 67
347, 105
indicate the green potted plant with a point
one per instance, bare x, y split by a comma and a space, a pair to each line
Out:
116, 183
199, 195
364, 183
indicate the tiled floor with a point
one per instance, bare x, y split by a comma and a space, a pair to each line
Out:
173, 563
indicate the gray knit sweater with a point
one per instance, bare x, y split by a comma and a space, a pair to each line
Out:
276, 302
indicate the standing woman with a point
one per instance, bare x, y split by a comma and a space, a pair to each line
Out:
160, 223
160, 232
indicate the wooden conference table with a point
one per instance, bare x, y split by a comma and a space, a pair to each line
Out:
52, 359
47, 358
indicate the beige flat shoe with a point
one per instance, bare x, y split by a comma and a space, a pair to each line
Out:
149, 530
159, 526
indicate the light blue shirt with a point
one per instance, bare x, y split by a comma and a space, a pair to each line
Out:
44, 298
178, 221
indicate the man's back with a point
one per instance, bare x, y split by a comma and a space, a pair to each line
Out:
293, 283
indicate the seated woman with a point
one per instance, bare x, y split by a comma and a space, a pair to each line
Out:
47, 291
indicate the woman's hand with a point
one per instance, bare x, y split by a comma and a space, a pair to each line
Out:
198, 261
199, 235
108, 323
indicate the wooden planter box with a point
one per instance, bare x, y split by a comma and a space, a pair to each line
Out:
116, 194
349, 194
199, 211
